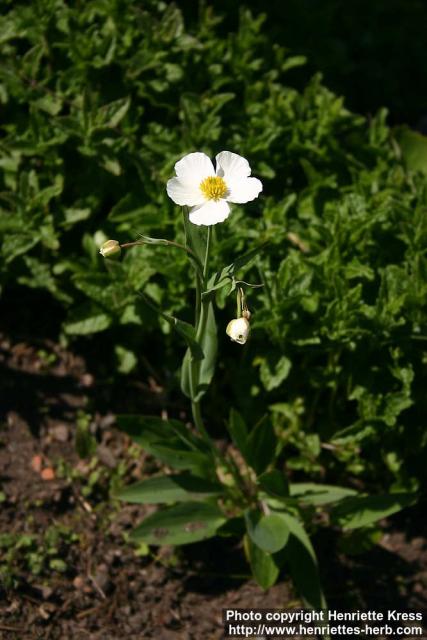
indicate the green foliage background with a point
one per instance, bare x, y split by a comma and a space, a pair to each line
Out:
100, 99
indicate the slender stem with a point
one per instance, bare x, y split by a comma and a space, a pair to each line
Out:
239, 302
198, 299
198, 421
202, 309
171, 243
208, 250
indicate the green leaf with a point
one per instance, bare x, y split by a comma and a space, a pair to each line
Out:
274, 483
274, 369
110, 115
226, 275
360, 511
181, 524
52, 104
414, 148
318, 494
293, 61
87, 319
185, 329
269, 532
195, 239
169, 441
186, 374
209, 346
180, 458
302, 561
126, 358
261, 445
146, 429
173, 488
85, 443
263, 565
187, 332
14, 245
238, 431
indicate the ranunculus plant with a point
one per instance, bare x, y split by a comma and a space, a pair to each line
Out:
243, 490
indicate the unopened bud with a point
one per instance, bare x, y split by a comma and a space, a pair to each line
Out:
238, 330
110, 248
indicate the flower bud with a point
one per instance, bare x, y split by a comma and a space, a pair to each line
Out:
238, 330
110, 248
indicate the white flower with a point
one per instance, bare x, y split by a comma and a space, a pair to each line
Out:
207, 191
238, 330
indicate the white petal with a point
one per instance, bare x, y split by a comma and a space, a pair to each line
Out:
231, 166
243, 190
238, 330
184, 193
210, 212
194, 167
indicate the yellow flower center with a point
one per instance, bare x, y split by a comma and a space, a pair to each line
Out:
213, 188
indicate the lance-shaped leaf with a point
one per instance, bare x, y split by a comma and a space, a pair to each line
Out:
152, 429
301, 558
269, 532
317, 494
209, 345
173, 488
274, 483
169, 441
261, 445
360, 511
186, 374
205, 368
238, 431
181, 524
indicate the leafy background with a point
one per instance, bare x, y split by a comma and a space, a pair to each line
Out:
99, 99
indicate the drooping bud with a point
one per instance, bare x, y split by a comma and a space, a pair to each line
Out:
110, 248
238, 330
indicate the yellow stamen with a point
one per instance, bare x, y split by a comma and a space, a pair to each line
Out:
213, 188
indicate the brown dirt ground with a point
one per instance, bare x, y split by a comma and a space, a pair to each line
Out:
106, 590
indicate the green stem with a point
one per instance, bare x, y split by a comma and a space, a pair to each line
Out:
207, 254
170, 243
202, 308
198, 299
239, 303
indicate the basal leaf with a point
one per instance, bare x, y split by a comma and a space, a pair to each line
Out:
360, 511
181, 524
318, 494
261, 445
269, 532
263, 565
275, 483
238, 431
301, 558
173, 488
